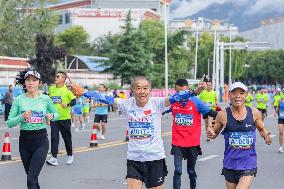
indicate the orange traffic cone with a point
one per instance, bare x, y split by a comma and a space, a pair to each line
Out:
126, 136
6, 151
94, 141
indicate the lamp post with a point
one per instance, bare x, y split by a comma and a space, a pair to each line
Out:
166, 49
196, 50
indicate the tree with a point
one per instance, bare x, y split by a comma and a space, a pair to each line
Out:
129, 58
20, 21
74, 40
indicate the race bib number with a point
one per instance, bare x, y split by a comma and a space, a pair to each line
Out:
57, 99
241, 140
261, 100
140, 130
184, 119
36, 117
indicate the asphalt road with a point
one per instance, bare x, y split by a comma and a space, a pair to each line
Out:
104, 167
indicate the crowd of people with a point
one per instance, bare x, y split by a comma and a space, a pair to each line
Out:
64, 108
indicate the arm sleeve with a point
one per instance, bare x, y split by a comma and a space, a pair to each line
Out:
72, 102
201, 107
15, 117
51, 109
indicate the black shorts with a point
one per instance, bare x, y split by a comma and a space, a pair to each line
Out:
152, 173
99, 118
233, 176
280, 121
263, 111
186, 152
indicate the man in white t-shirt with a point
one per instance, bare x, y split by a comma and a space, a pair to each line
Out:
146, 154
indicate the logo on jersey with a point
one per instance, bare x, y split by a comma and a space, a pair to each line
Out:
147, 112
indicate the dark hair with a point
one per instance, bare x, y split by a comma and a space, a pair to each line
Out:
181, 82
63, 73
20, 78
10, 86
103, 85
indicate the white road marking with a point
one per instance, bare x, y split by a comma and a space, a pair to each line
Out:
207, 158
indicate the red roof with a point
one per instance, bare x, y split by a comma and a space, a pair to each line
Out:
13, 61
68, 5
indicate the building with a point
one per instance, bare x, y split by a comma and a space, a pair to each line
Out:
99, 22
201, 25
100, 17
84, 70
271, 32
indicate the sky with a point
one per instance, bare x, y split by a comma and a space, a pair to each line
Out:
184, 8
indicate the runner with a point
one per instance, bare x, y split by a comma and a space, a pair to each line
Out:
262, 99
101, 112
63, 99
78, 113
280, 110
32, 110
276, 98
239, 124
86, 111
209, 97
186, 132
146, 155
249, 99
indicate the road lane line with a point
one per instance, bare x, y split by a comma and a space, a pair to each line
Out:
207, 158
83, 149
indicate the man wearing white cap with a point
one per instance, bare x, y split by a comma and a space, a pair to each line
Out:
240, 123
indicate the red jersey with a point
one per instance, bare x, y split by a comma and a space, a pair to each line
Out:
186, 128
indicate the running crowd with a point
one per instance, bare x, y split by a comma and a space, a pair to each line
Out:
64, 107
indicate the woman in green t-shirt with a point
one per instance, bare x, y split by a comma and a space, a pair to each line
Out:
276, 99
32, 111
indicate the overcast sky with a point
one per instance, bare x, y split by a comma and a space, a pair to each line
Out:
183, 8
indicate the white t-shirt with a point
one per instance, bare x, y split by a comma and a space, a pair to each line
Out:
144, 128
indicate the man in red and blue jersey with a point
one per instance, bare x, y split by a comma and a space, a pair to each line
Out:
186, 132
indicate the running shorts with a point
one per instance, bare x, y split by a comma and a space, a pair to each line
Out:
152, 173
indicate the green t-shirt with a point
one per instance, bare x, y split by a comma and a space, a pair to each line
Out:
249, 100
40, 106
261, 100
276, 99
60, 96
209, 98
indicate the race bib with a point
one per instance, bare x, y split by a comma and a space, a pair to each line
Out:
184, 119
140, 130
36, 117
241, 140
56, 99
261, 100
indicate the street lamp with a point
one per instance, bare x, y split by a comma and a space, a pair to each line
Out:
166, 49
196, 50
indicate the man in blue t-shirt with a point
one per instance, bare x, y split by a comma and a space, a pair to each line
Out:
101, 111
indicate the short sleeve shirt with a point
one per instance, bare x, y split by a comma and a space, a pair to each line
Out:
60, 96
144, 128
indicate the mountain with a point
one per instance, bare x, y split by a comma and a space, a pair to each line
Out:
238, 14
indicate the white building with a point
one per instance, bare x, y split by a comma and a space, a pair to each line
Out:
99, 17
204, 25
99, 22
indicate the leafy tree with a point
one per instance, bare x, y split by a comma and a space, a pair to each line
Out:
20, 21
128, 58
74, 40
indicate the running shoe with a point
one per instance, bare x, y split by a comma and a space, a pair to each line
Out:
69, 160
52, 161
102, 137
280, 149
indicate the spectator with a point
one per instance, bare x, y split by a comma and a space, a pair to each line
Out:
7, 101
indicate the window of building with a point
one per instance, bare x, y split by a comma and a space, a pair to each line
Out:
60, 19
67, 18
